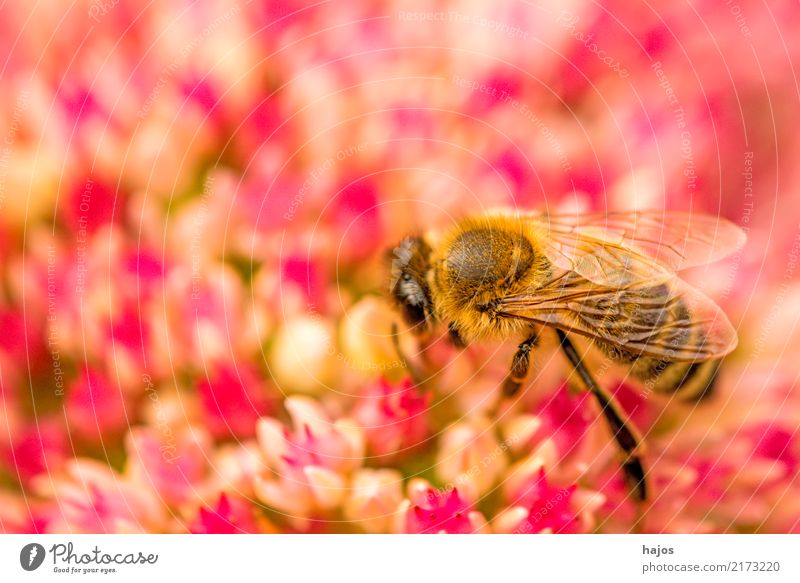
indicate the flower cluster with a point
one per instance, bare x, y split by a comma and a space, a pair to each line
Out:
196, 204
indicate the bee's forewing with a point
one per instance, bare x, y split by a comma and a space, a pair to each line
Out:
616, 248
668, 319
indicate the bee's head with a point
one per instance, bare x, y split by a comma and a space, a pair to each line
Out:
409, 286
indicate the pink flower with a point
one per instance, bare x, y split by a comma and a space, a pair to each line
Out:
172, 463
96, 408
538, 505
503, 84
229, 516
233, 398
431, 511
306, 277
39, 447
548, 508
394, 417
636, 404
20, 338
565, 418
90, 497
471, 457
92, 204
205, 316
515, 171
356, 217
142, 272
18, 514
129, 329
773, 441
308, 465
374, 499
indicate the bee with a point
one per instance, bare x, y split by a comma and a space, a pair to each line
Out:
609, 278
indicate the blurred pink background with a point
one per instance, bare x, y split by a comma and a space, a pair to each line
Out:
195, 202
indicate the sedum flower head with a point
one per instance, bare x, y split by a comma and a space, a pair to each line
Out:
308, 465
431, 511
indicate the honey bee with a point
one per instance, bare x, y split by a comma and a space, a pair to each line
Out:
610, 278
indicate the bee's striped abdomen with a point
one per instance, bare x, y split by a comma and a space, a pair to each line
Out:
649, 309
690, 381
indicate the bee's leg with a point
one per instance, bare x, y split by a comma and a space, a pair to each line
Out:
624, 432
520, 365
413, 372
455, 336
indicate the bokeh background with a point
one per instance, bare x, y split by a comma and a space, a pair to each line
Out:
196, 199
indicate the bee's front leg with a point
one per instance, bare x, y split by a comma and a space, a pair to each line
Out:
520, 365
455, 336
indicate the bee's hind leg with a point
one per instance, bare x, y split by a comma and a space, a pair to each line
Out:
520, 365
625, 433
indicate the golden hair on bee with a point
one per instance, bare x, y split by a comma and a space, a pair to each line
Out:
480, 259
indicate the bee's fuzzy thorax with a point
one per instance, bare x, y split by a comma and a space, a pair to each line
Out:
480, 259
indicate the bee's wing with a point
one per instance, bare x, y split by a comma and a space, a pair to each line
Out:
616, 248
668, 319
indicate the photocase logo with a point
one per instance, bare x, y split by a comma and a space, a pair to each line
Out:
31, 556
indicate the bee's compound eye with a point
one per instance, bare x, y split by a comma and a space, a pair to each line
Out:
413, 300
409, 289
